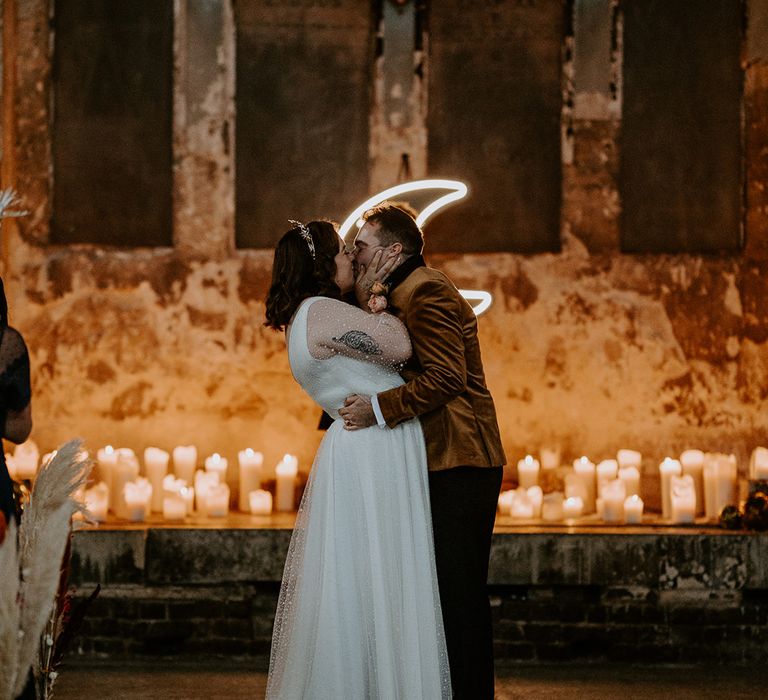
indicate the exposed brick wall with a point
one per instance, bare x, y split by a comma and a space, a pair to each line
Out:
229, 620
693, 596
596, 623
531, 624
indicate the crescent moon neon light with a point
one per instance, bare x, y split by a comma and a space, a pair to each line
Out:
456, 190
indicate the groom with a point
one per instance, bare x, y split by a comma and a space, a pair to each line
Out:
445, 388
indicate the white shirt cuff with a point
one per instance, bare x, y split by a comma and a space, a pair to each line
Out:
377, 411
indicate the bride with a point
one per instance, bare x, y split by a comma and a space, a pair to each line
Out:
359, 612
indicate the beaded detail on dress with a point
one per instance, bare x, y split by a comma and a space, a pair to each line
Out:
359, 614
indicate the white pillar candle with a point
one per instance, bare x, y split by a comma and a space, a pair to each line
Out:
692, 462
126, 470
720, 483
260, 502
172, 485
178, 487
217, 463
528, 472
550, 457
97, 502
667, 469
522, 508
505, 502
174, 507
218, 501
26, 457
137, 496
204, 482
629, 458
185, 462
585, 472
606, 471
573, 507
536, 497
614, 495
683, 499
552, 507
758, 463
155, 468
285, 489
106, 458
188, 494
633, 510
250, 463
631, 478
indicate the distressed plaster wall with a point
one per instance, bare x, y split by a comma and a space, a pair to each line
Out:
587, 348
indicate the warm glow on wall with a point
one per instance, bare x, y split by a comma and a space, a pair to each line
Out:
456, 190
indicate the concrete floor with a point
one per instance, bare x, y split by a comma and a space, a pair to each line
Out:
227, 680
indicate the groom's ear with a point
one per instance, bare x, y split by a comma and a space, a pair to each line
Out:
396, 248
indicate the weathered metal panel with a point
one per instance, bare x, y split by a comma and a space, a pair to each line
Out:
494, 122
303, 75
680, 175
112, 122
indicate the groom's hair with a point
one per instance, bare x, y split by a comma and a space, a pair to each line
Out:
396, 225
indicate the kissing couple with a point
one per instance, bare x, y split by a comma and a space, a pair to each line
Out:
384, 589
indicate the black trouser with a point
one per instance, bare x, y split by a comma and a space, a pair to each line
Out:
464, 501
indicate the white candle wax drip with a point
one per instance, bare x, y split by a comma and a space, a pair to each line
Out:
614, 495
683, 499
528, 472
758, 463
185, 462
692, 462
667, 469
260, 502
584, 471
137, 495
633, 510
155, 468
285, 489
720, 483
250, 463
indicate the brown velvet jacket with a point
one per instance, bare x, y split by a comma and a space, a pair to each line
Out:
445, 383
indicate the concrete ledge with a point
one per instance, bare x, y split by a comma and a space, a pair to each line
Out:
590, 593
660, 557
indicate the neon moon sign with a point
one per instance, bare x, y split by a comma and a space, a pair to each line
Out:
456, 190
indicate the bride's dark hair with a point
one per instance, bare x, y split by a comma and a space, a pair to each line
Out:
298, 275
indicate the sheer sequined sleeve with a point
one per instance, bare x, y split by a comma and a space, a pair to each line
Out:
335, 327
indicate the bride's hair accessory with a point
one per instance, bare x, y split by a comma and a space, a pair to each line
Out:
377, 302
305, 234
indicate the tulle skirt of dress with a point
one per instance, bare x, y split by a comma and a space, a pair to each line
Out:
359, 612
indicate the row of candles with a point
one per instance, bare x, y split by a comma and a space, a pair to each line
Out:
697, 483
123, 491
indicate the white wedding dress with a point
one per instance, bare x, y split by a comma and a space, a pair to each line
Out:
359, 612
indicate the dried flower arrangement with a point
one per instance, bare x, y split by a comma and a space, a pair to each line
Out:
31, 575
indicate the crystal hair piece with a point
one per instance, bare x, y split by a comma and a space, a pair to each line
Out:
305, 234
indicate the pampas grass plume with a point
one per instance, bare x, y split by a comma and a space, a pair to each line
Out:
29, 575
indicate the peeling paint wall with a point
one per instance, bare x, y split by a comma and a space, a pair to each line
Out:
587, 348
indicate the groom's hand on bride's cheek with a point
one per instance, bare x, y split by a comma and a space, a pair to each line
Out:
357, 412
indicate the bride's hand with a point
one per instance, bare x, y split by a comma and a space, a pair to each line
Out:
380, 268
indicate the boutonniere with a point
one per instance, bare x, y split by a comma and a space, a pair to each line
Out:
377, 302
